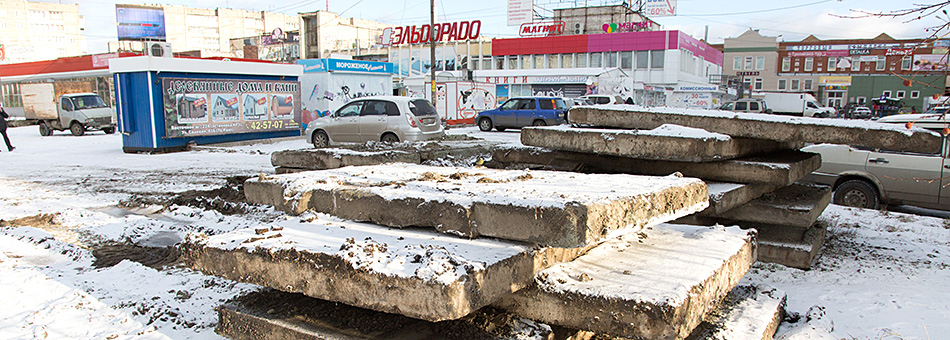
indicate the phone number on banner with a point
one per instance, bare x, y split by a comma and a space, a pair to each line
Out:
264, 125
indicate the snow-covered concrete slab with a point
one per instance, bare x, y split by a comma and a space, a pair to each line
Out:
781, 168
749, 312
416, 273
797, 205
727, 196
656, 284
272, 315
376, 153
550, 208
792, 253
764, 126
667, 142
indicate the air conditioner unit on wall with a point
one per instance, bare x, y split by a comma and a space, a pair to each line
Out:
157, 49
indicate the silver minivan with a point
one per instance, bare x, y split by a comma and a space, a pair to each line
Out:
387, 119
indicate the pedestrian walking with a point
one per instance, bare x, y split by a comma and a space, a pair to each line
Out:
3, 127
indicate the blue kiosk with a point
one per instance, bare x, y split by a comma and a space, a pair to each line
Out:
165, 104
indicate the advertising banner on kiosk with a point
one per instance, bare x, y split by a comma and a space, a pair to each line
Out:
201, 107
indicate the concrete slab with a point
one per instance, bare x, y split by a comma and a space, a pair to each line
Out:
416, 273
763, 126
667, 142
797, 254
548, 208
271, 314
656, 284
797, 205
727, 196
780, 168
288, 161
749, 312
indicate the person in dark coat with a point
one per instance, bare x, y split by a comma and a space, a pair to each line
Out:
3, 127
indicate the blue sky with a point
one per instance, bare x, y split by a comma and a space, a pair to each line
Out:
792, 20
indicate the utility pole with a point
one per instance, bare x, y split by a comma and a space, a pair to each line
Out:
432, 48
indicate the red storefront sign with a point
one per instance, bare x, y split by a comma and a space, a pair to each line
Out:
541, 29
450, 31
900, 51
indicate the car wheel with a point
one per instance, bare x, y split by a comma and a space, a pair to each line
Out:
389, 138
108, 130
857, 193
538, 122
77, 129
484, 124
45, 130
320, 139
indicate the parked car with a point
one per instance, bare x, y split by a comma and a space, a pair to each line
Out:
578, 102
601, 99
519, 112
870, 178
381, 118
860, 112
753, 105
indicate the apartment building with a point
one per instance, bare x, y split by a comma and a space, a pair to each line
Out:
33, 31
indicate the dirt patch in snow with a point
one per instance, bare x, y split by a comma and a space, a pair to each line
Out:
110, 254
228, 199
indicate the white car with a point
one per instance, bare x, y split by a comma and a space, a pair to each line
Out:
871, 178
601, 99
382, 118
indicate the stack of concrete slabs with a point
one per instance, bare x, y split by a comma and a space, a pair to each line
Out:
764, 126
376, 153
667, 142
780, 168
749, 312
549, 208
659, 283
413, 272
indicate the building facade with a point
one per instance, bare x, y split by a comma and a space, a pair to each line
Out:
838, 72
323, 33
33, 31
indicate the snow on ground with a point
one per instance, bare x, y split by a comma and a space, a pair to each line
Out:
881, 274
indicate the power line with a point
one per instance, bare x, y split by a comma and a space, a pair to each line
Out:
754, 12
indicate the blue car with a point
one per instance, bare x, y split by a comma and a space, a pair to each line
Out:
523, 111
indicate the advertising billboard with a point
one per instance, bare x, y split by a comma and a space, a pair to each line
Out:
196, 107
139, 22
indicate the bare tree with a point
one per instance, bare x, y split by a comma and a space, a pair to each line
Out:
916, 12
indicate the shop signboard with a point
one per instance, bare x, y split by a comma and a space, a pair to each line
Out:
541, 29
859, 52
900, 51
930, 62
444, 32
202, 107
835, 80
136, 22
626, 26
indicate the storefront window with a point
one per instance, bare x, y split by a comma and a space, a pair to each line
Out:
512, 62
486, 62
808, 84
611, 59
596, 59
538, 61
526, 62
643, 59
499, 63
626, 60
567, 60
580, 60
552, 61
781, 84
795, 83
656, 59
757, 84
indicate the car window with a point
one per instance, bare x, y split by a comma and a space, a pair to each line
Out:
529, 104
422, 107
392, 109
727, 106
754, 106
602, 100
618, 100
374, 108
546, 104
560, 104
811, 105
67, 104
741, 106
351, 110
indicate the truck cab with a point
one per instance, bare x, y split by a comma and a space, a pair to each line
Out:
79, 112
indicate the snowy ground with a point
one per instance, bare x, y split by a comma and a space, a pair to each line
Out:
72, 206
